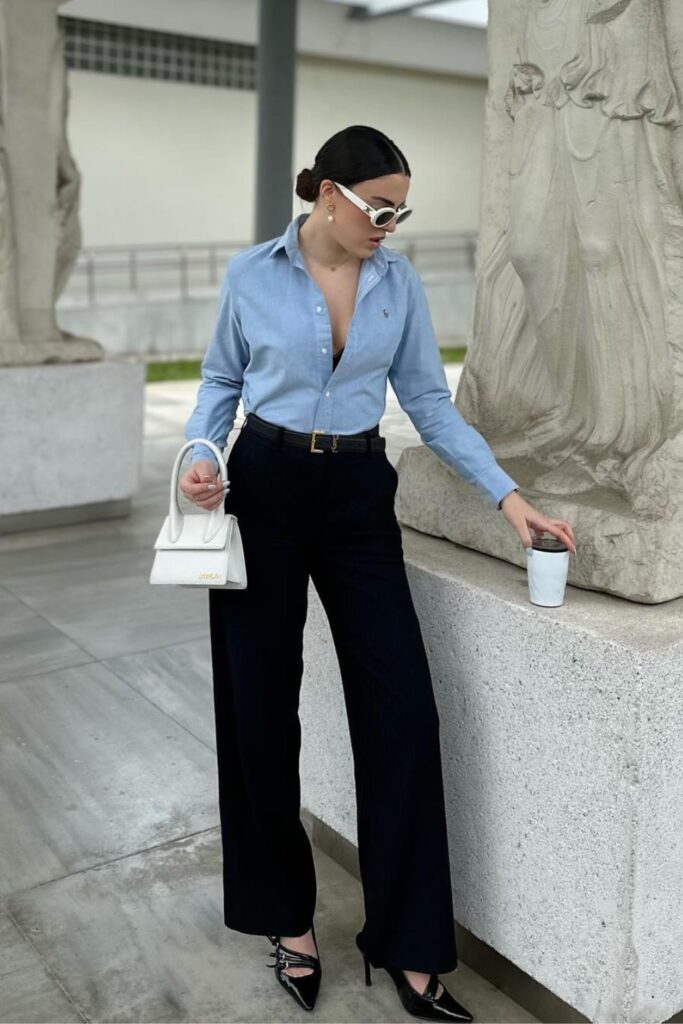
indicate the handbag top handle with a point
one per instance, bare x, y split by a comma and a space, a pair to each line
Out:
216, 517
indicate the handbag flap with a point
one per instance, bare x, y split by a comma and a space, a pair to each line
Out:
192, 533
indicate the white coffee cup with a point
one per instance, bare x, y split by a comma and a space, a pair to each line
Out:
547, 563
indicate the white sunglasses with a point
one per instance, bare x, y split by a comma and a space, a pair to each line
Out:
381, 217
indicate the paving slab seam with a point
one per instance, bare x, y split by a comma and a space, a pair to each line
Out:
96, 865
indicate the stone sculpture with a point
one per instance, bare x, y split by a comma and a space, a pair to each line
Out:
577, 361
575, 369
9, 325
39, 189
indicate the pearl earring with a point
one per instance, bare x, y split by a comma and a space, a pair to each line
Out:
329, 215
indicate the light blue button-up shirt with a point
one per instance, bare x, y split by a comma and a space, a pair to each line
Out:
272, 345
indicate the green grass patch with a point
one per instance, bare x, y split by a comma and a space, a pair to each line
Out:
190, 369
174, 369
454, 355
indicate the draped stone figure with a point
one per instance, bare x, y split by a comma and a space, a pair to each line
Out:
574, 372
9, 326
39, 189
68, 190
576, 363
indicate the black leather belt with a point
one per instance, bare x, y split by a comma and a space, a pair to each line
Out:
317, 441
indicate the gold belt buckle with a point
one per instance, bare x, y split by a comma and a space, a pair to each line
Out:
334, 447
313, 448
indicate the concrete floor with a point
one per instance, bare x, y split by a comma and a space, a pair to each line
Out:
110, 888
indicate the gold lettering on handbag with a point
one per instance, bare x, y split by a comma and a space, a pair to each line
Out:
209, 576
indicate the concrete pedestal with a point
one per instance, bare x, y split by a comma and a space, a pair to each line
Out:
562, 747
71, 447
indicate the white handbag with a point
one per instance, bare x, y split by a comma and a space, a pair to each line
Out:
201, 549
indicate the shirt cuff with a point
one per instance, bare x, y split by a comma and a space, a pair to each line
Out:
495, 483
201, 451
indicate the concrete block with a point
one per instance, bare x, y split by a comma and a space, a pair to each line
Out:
562, 750
72, 438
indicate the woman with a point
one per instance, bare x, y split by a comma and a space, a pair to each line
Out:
310, 326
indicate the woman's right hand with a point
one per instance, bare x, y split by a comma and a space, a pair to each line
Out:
202, 484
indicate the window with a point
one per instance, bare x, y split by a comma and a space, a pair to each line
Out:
146, 53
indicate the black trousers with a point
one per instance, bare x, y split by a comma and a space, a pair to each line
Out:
329, 517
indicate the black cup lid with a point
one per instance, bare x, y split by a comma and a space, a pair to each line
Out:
547, 542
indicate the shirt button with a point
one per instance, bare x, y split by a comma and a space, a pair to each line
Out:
319, 309
327, 394
323, 350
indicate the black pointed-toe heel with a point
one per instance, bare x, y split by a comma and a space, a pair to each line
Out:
305, 987
424, 1006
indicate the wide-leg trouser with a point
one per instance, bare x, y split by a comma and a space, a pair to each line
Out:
328, 517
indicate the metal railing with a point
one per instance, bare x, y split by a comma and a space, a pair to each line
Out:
103, 275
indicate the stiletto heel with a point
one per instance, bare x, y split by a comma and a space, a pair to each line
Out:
368, 980
303, 988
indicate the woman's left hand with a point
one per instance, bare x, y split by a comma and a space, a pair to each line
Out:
524, 517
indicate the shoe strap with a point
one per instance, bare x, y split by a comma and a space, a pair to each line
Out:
285, 957
432, 987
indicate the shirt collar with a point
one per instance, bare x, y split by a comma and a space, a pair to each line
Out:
289, 241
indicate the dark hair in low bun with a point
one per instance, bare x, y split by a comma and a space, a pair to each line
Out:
353, 154
306, 187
